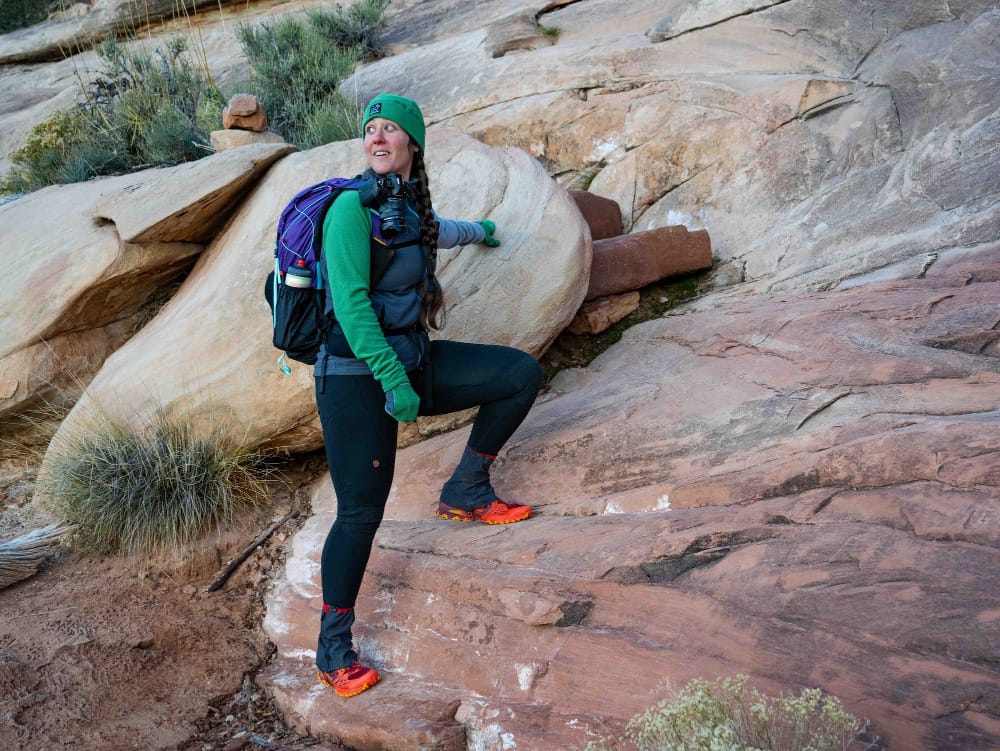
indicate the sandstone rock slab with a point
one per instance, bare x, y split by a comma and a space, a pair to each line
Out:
600, 314
800, 488
629, 262
189, 202
603, 216
81, 277
691, 16
223, 140
793, 153
50, 40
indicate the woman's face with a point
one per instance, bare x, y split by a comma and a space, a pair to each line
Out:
388, 147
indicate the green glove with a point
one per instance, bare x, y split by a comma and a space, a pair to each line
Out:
402, 402
489, 228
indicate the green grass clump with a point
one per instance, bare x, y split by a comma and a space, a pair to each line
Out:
144, 109
297, 67
134, 491
731, 715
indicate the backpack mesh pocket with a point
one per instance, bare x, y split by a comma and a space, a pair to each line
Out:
297, 316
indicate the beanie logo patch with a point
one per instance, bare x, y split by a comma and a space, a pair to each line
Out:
375, 109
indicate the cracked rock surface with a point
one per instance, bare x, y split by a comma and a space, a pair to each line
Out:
793, 477
803, 489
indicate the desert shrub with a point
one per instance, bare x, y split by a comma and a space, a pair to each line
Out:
138, 490
731, 715
143, 109
42, 158
18, 14
297, 66
151, 105
360, 26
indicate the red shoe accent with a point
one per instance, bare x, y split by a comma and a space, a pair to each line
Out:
349, 681
497, 512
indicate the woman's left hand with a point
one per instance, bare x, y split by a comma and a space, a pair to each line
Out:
489, 228
402, 402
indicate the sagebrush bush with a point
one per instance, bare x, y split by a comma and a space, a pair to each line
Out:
140, 490
143, 109
731, 715
297, 66
140, 94
359, 27
47, 149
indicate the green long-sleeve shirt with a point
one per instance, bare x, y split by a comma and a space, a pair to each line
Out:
347, 255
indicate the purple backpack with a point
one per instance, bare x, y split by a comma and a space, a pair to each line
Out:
295, 289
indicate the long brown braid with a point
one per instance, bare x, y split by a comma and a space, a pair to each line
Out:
432, 307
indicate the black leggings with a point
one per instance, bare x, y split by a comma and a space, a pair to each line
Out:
360, 440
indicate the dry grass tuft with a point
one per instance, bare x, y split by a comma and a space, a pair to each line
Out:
155, 488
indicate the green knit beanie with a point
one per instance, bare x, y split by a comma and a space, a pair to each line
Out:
402, 111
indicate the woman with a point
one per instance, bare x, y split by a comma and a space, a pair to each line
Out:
378, 368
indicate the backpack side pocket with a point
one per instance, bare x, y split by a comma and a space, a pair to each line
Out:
297, 318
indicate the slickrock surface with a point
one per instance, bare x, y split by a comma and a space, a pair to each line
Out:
804, 489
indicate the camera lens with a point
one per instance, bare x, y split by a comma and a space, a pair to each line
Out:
393, 210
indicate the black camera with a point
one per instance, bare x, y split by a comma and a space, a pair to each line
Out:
392, 194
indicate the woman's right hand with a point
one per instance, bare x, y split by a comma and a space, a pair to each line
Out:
402, 403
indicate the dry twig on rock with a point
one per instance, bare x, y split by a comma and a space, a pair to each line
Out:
257, 542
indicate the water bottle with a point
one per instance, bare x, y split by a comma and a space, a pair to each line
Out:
298, 275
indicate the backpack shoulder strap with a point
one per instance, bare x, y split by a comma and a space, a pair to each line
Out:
337, 186
382, 252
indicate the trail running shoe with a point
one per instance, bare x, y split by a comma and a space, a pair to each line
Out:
497, 512
349, 681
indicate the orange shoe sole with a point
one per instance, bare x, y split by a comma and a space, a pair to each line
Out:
519, 518
347, 693
452, 514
